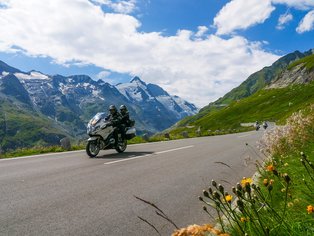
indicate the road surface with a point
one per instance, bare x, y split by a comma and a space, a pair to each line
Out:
71, 194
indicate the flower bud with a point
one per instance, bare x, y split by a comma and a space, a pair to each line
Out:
205, 193
270, 187
221, 188
275, 172
247, 188
286, 178
216, 195
210, 191
200, 198
214, 183
234, 190
239, 187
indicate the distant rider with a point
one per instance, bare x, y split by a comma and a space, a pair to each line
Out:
265, 125
257, 125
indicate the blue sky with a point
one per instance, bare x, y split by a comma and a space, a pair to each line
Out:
198, 50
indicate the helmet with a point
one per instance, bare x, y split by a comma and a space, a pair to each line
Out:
112, 109
123, 108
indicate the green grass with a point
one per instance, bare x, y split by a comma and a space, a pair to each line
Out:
307, 62
271, 105
37, 151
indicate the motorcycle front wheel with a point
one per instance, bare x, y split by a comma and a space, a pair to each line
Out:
121, 146
92, 149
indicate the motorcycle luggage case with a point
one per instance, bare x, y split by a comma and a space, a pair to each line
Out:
130, 133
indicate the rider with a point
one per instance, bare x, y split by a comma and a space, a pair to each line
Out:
125, 120
115, 119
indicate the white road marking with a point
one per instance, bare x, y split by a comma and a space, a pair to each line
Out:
155, 153
242, 136
40, 155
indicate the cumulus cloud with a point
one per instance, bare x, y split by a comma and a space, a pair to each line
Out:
307, 23
124, 7
241, 14
299, 4
197, 69
283, 20
201, 31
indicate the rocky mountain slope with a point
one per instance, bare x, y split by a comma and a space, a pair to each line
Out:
67, 103
299, 72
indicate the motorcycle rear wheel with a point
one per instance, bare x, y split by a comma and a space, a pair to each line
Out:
121, 146
92, 149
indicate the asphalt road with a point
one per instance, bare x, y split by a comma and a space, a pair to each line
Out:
71, 194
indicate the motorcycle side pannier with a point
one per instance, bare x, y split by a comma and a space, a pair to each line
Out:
130, 133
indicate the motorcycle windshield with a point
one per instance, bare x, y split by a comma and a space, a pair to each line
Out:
99, 116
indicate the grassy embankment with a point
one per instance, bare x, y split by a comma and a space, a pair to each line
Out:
267, 104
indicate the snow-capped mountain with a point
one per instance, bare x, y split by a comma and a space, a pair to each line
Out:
71, 101
138, 92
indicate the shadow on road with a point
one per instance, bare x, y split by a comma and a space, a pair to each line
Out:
123, 155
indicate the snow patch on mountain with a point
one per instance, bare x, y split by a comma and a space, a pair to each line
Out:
32, 75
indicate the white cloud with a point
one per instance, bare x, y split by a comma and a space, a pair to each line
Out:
307, 23
124, 7
241, 14
299, 4
283, 20
103, 75
201, 31
199, 70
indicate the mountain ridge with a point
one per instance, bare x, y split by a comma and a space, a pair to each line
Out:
278, 75
68, 102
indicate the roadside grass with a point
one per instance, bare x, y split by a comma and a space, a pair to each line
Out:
281, 200
37, 151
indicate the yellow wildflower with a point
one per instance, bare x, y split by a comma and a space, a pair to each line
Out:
246, 181
310, 209
265, 182
228, 198
270, 167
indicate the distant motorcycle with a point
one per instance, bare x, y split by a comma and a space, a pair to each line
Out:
257, 127
265, 125
101, 134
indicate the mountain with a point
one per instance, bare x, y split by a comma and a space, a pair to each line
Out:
272, 93
299, 72
62, 105
156, 102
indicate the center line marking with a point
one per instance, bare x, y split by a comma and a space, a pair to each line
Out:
155, 153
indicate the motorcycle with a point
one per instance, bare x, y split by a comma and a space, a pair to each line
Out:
265, 125
257, 127
102, 136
